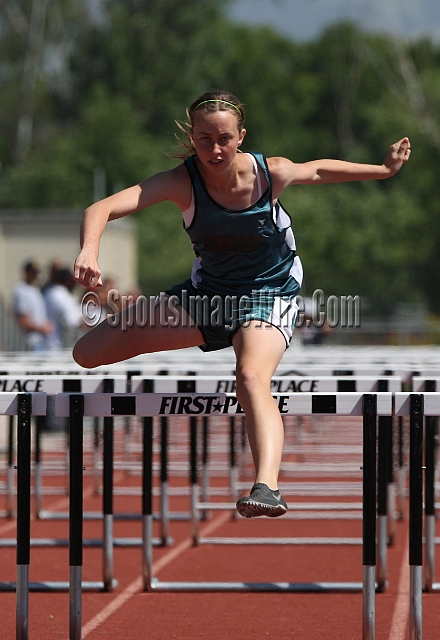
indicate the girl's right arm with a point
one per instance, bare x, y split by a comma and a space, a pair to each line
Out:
170, 185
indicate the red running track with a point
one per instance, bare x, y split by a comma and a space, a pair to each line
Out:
129, 613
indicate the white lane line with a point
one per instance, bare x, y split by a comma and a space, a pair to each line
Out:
56, 506
137, 585
401, 608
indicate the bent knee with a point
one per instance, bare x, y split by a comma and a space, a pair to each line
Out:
250, 381
84, 355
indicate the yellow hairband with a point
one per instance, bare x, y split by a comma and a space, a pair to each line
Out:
225, 101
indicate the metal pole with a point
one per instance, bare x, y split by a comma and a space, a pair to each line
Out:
164, 516
243, 443
38, 467
233, 472
95, 455
23, 513
193, 482
107, 495
75, 513
401, 470
369, 517
391, 489
127, 419
416, 514
205, 464
415, 595
147, 504
431, 426
382, 503
10, 474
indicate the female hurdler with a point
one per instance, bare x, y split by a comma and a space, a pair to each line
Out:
245, 261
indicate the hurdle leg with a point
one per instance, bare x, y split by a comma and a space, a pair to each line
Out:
75, 514
67, 454
431, 430
382, 503
23, 514
205, 465
300, 437
107, 494
164, 507
369, 518
401, 473
107, 504
147, 504
391, 487
127, 440
10, 472
233, 470
38, 481
431, 427
416, 514
193, 482
243, 445
95, 456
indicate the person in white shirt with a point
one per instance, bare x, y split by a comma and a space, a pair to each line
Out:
30, 309
63, 309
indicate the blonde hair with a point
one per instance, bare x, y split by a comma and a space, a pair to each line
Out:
209, 102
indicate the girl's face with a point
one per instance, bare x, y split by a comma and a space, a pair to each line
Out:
216, 138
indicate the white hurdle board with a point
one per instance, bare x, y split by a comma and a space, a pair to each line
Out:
195, 404
9, 404
280, 384
52, 384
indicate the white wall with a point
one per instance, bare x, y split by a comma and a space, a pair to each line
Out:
48, 234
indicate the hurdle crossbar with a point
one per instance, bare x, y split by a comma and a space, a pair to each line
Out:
418, 406
369, 406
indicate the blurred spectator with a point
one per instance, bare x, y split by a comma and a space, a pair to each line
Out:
313, 329
30, 309
63, 309
53, 268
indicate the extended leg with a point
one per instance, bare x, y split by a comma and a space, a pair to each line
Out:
259, 348
126, 335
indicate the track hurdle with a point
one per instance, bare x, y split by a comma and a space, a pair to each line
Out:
76, 407
50, 384
418, 406
23, 405
369, 406
281, 384
422, 384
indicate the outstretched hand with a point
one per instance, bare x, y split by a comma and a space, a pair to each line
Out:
398, 154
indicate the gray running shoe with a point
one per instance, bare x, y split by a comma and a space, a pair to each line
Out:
262, 502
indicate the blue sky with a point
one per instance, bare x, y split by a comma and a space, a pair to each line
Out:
305, 19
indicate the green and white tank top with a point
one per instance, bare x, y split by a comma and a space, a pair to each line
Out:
238, 252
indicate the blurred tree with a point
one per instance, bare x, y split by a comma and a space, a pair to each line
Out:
36, 36
158, 53
103, 95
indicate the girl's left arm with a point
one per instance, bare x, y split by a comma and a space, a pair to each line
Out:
286, 173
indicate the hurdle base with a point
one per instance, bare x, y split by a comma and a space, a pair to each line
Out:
98, 515
299, 587
281, 541
88, 543
57, 586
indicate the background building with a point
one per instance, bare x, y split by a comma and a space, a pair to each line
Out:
45, 235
